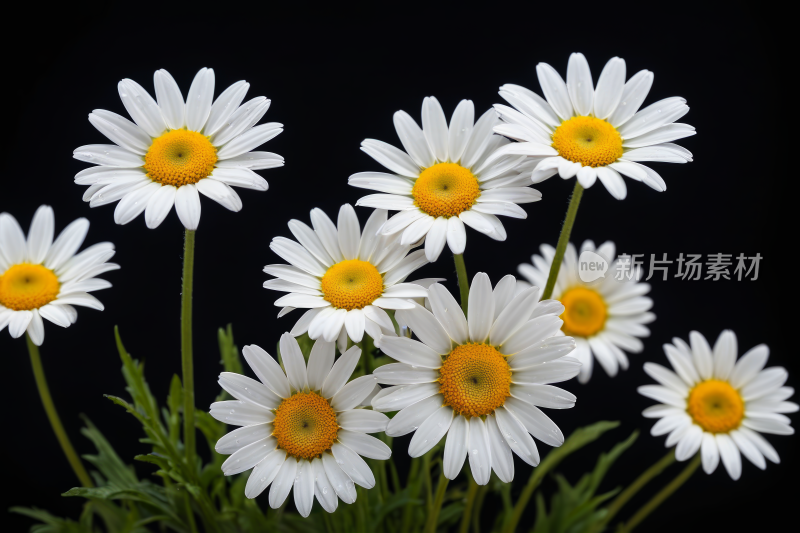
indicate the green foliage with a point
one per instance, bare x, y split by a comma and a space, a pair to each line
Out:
575, 509
167, 494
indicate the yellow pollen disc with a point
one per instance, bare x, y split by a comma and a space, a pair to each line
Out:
445, 190
475, 379
585, 312
25, 286
305, 425
352, 284
715, 406
589, 141
180, 157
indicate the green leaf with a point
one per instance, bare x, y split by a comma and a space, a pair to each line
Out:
228, 350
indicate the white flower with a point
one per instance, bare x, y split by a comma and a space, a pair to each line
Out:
303, 428
41, 278
719, 405
593, 133
479, 379
445, 179
605, 316
344, 277
176, 150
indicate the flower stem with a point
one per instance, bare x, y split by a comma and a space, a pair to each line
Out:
563, 240
433, 515
662, 495
187, 363
466, 517
633, 488
52, 415
463, 281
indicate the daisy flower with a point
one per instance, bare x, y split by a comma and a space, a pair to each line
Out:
593, 132
343, 276
605, 316
718, 405
302, 428
443, 180
177, 150
479, 379
41, 278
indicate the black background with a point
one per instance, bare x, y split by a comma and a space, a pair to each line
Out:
335, 76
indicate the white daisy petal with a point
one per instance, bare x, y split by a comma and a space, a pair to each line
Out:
555, 90
381, 181
352, 394
364, 445
536, 422
479, 451
403, 374
283, 482
749, 365
401, 396
293, 362
349, 232
502, 458
239, 413
221, 193
341, 482
353, 465
108, 155
663, 134
248, 456
248, 390
701, 355
431, 431
224, 106
608, 93
170, 99
121, 131
449, 313
412, 352
246, 116
141, 107
434, 125
187, 205
689, 444
244, 436
436, 239
363, 420
250, 139
341, 372
40, 234
390, 157
427, 328
460, 129
455, 447
264, 473
730, 455
267, 370
709, 452
198, 101
159, 205
748, 448
633, 94
579, 84
481, 308
725, 350
517, 436
413, 139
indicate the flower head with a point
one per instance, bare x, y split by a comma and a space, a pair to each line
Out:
303, 428
343, 276
177, 150
444, 180
579, 130
42, 278
479, 379
718, 405
605, 316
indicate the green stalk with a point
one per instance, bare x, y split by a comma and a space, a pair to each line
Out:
52, 415
663, 494
563, 240
433, 515
466, 517
187, 363
463, 281
633, 488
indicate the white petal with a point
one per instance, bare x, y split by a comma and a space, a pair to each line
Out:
364, 445
479, 451
410, 418
449, 313
455, 447
250, 139
220, 193
613, 182
297, 255
244, 436
341, 482
403, 374
267, 370
198, 101
108, 155
413, 139
349, 232
239, 413
544, 395
411, 352
725, 350
749, 365
304, 488
730, 455
701, 355
390, 157
587, 176
502, 458
353, 465
224, 106
667, 378
655, 115
293, 362
121, 131
249, 390
12, 240
517, 437
668, 133
40, 234
35, 328
431, 431
244, 118
580, 84
531, 333
434, 125
460, 129
608, 93
283, 482
141, 107
352, 394
264, 473
555, 90
363, 420
341, 372
159, 205
187, 205
748, 448
709, 453
170, 99
689, 443
248, 456
633, 94
427, 328
536, 422
401, 396
512, 318
436, 239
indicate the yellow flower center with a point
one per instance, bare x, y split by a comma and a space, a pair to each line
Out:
585, 312
475, 379
305, 425
445, 190
180, 157
715, 406
25, 286
352, 284
589, 141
